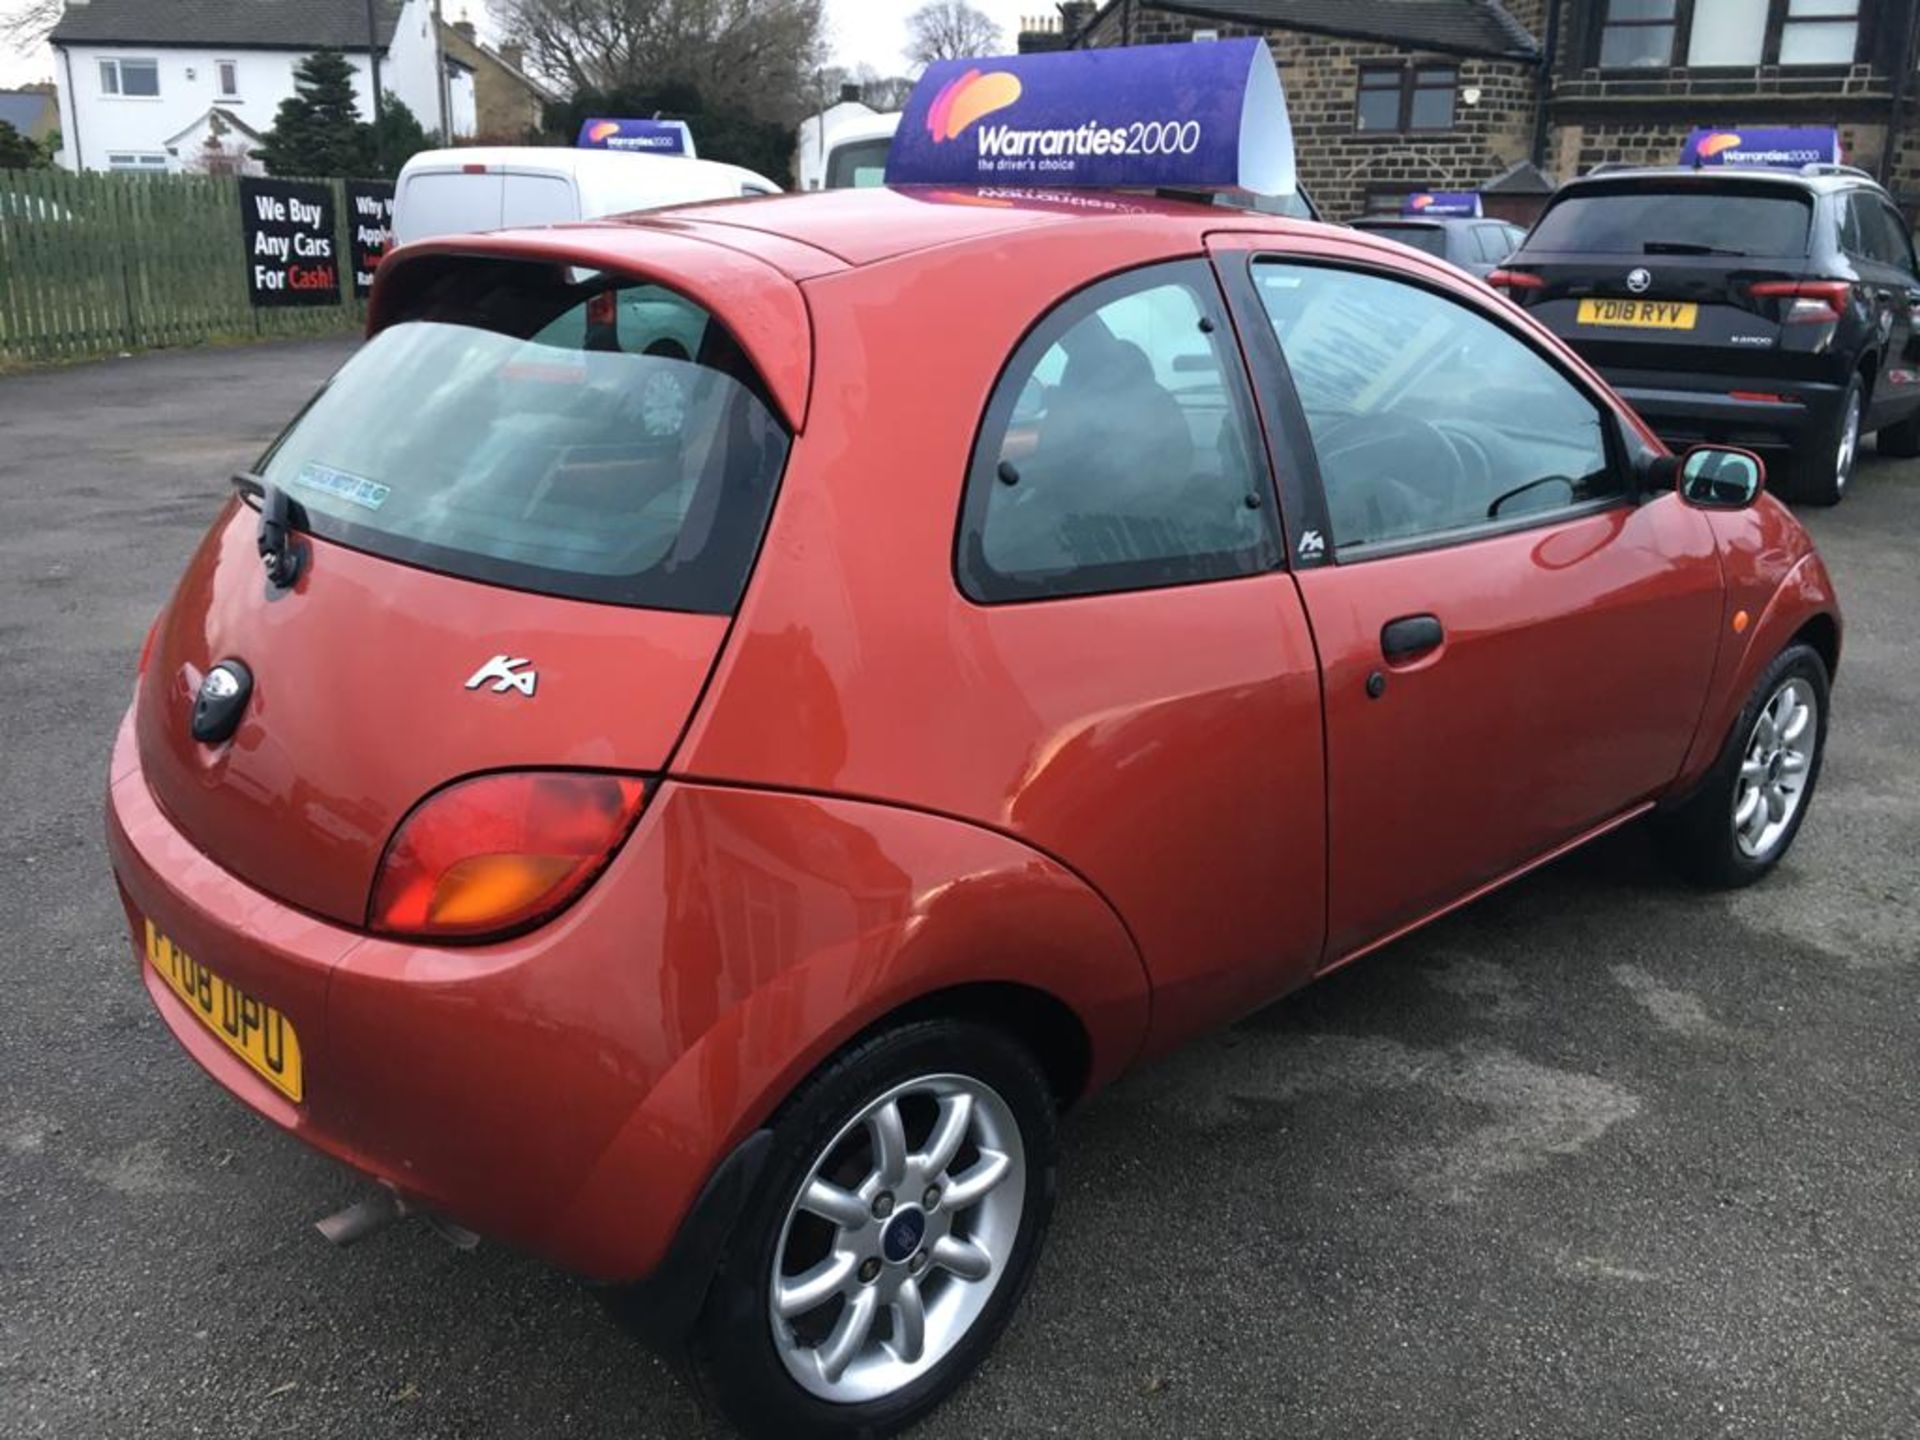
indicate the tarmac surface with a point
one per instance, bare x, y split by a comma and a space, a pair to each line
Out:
1599, 1156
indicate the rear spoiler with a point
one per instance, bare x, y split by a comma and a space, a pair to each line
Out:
760, 306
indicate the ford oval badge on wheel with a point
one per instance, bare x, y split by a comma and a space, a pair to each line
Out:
221, 701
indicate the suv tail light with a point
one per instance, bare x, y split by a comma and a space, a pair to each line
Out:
1515, 280
1809, 302
501, 853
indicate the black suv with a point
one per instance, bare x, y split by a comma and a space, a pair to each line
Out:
1772, 309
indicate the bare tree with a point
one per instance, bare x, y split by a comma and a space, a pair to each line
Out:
949, 30
758, 54
27, 22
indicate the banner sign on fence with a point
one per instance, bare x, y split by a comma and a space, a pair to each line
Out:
642, 137
1441, 202
1772, 147
1195, 117
291, 242
370, 214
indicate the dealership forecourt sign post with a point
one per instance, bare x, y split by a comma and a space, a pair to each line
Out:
1195, 117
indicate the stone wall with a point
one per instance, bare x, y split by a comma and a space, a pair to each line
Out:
1339, 165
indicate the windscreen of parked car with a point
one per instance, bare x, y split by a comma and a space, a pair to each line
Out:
569, 434
1680, 219
1430, 238
858, 165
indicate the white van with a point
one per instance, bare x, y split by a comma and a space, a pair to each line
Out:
458, 192
844, 146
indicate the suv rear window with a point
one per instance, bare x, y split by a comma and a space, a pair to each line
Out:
562, 432
1430, 238
1676, 220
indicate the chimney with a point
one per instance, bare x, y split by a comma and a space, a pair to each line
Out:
1074, 15
465, 27
513, 53
849, 94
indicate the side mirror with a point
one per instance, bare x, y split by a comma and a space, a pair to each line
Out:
1718, 477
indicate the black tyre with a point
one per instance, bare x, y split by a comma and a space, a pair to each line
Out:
1900, 441
1824, 464
1746, 813
889, 1238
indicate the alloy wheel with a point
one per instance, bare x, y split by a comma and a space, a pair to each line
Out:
1774, 768
1849, 445
897, 1238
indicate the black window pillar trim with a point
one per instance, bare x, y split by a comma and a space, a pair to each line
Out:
1283, 422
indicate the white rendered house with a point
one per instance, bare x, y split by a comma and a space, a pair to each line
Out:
144, 82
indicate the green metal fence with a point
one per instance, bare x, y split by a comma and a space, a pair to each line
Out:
98, 264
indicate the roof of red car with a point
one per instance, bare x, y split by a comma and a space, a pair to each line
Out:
860, 227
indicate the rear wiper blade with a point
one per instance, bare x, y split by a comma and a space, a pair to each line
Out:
1684, 247
279, 555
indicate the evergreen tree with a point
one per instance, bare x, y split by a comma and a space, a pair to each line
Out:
400, 137
318, 130
17, 152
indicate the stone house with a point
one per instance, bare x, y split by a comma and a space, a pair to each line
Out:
508, 103
1510, 96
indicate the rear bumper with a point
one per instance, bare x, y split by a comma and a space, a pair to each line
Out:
1729, 409
504, 1086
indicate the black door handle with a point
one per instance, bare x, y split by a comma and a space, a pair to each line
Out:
1410, 635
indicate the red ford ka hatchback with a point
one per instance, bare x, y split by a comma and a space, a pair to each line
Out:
750, 711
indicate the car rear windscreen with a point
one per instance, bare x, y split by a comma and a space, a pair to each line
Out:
526, 427
1692, 220
1430, 238
858, 165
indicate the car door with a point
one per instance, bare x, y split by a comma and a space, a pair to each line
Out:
1515, 647
1892, 244
1875, 240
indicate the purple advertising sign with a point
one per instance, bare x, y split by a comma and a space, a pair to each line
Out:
1206, 116
1772, 148
640, 137
1441, 202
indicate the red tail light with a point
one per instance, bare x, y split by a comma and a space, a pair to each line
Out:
1809, 302
1515, 280
500, 853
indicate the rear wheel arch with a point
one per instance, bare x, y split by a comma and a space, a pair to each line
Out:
1868, 369
1040, 1020
1822, 633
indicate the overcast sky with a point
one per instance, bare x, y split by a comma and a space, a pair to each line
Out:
858, 31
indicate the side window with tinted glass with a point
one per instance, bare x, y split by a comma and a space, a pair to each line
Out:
1495, 241
1119, 450
1427, 418
1895, 239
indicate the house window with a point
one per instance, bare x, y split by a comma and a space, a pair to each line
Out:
136, 162
229, 73
1637, 32
1655, 34
1819, 32
1728, 32
137, 78
1392, 99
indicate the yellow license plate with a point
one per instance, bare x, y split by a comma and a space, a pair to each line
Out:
1640, 314
252, 1029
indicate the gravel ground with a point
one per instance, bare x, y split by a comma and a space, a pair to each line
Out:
1598, 1156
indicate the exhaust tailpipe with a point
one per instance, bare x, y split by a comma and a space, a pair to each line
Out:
363, 1217
379, 1210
